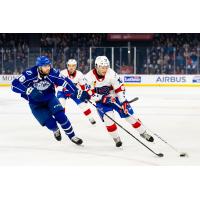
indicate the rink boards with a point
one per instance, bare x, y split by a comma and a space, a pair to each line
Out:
139, 80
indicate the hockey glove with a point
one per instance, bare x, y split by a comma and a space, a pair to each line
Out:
107, 99
83, 95
34, 94
125, 105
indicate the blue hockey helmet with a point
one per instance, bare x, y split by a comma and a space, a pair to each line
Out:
42, 60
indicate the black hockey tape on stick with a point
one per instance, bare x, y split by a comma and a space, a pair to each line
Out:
133, 100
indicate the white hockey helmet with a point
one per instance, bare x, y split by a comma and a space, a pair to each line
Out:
71, 62
102, 61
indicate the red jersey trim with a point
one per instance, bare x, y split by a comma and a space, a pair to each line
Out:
72, 75
96, 75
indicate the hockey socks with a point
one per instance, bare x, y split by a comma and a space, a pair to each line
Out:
112, 129
87, 112
62, 119
136, 123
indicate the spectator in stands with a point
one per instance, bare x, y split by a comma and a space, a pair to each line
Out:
170, 53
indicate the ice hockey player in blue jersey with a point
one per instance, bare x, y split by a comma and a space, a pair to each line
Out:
37, 86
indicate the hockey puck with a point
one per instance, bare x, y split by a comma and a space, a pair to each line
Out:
183, 154
160, 154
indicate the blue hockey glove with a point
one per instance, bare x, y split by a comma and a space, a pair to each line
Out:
83, 95
34, 94
107, 99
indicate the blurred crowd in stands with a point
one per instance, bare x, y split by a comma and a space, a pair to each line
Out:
173, 54
13, 53
66, 46
167, 53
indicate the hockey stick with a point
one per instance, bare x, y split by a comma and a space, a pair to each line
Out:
157, 154
181, 154
133, 100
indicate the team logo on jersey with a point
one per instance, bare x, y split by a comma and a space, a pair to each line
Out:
103, 90
22, 78
29, 72
42, 85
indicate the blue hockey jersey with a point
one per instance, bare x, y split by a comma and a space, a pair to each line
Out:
46, 84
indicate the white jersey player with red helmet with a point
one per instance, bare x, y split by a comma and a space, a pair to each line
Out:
107, 90
77, 78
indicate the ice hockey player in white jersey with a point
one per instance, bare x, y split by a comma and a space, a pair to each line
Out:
76, 77
107, 90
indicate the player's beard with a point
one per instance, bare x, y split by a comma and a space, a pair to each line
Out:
42, 74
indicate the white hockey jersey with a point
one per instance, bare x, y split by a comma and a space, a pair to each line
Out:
110, 84
77, 78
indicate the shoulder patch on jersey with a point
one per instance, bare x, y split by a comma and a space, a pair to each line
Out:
29, 72
22, 78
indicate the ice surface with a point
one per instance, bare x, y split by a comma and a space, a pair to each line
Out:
171, 112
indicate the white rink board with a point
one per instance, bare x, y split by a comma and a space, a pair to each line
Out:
7, 79
161, 80
173, 113
138, 80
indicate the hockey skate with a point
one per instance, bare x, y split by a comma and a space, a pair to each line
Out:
147, 137
92, 121
118, 141
76, 140
57, 135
